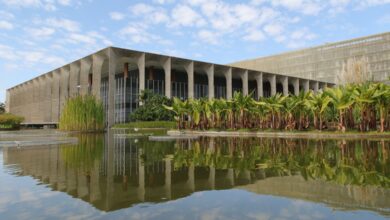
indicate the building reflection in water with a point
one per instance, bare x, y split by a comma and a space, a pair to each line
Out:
113, 171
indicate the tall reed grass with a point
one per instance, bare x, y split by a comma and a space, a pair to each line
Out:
82, 113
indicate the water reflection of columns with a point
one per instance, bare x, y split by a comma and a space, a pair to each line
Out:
141, 177
212, 166
94, 183
230, 176
191, 177
168, 174
110, 169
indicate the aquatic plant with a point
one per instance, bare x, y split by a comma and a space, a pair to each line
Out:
82, 113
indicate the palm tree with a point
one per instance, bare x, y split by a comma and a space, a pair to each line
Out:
341, 100
180, 108
275, 105
381, 97
318, 104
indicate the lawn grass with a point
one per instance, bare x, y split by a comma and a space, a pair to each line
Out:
148, 124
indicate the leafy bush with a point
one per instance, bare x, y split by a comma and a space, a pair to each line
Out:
152, 108
82, 113
10, 121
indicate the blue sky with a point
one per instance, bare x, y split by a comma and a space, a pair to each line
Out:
37, 36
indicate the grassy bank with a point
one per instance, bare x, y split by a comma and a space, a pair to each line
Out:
10, 122
148, 124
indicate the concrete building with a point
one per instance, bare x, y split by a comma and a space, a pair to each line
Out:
325, 62
117, 76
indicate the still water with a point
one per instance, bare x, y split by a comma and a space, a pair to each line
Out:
119, 176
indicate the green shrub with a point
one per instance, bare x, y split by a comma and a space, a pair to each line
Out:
82, 113
152, 108
10, 121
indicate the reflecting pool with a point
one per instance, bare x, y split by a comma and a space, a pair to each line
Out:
118, 175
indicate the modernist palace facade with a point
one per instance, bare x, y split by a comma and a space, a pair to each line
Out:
325, 62
117, 76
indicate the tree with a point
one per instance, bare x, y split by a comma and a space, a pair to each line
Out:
319, 103
2, 108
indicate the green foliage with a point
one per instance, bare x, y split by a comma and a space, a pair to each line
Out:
152, 108
2, 108
353, 107
148, 124
82, 113
10, 121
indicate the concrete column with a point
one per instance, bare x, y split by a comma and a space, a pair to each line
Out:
64, 86
296, 86
316, 86
111, 87
74, 76
38, 100
85, 66
166, 63
306, 85
229, 85
210, 76
259, 82
97, 64
244, 80
190, 74
35, 110
141, 71
55, 94
48, 97
272, 81
7, 100
285, 85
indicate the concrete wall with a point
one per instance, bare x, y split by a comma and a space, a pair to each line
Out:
41, 100
325, 62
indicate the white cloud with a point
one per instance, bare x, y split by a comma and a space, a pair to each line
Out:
117, 16
254, 35
309, 7
7, 52
40, 32
185, 16
49, 5
208, 36
66, 24
5, 25
135, 33
6, 15
140, 9
273, 29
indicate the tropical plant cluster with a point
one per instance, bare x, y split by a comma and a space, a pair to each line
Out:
10, 121
363, 107
152, 108
82, 113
